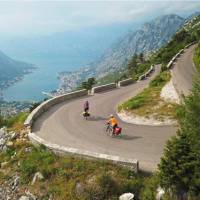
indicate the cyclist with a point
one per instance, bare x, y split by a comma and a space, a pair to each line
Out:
112, 121
86, 107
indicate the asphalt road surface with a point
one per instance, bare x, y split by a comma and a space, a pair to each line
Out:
184, 71
63, 124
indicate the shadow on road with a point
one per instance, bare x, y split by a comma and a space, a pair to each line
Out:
127, 137
97, 118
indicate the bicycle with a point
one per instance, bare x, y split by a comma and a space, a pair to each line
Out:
86, 115
116, 132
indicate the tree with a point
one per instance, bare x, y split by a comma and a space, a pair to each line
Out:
132, 65
88, 84
179, 169
2, 121
141, 57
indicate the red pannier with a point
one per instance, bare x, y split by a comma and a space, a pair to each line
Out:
118, 130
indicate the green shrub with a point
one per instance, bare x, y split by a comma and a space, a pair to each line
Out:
133, 185
37, 160
197, 57
19, 118
27, 169
149, 190
160, 80
108, 185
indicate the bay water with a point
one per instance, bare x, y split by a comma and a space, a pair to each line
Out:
42, 79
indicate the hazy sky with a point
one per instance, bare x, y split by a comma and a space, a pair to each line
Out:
45, 17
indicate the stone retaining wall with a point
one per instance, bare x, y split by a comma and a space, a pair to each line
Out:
125, 82
146, 74
171, 62
103, 88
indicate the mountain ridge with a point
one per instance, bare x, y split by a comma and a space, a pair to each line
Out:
12, 70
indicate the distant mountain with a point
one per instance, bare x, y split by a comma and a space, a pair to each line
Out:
72, 49
12, 70
149, 37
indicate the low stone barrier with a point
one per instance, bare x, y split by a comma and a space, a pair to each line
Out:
103, 88
125, 82
186, 47
143, 76
131, 163
170, 63
149, 71
51, 102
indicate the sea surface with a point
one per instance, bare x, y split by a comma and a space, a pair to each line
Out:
42, 79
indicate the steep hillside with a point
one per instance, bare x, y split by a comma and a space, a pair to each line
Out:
11, 70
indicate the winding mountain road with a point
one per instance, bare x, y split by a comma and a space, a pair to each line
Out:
63, 124
183, 72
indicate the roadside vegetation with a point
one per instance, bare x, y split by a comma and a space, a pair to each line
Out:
148, 103
88, 84
197, 57
179, 167
14, 122
70, 177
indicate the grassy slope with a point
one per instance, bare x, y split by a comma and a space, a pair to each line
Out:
63, 175
148, 102
14, 123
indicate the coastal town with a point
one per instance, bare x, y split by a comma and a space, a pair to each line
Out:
69, 81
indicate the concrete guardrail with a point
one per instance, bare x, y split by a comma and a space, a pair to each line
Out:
133, 164
144, 76
186, 47
125, 82
171, 62
51, 102
103, 88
